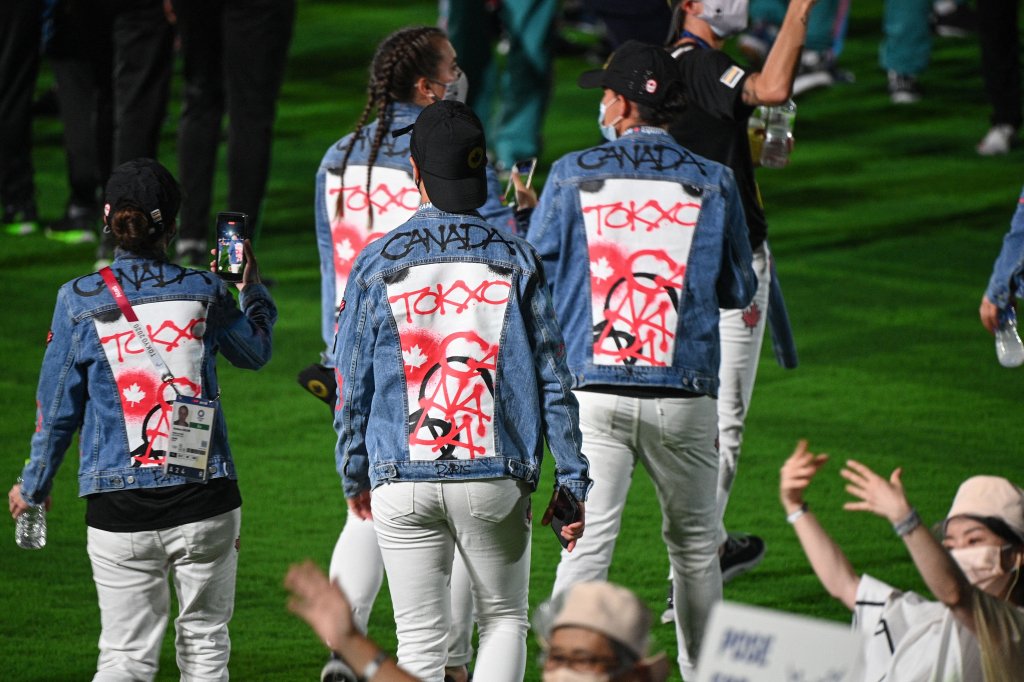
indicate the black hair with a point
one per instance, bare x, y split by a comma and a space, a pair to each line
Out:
400, 60
134, 231
669, 110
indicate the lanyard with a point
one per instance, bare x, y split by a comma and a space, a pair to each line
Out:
695, 38
140, 331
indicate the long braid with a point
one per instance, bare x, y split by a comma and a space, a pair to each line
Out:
401, 59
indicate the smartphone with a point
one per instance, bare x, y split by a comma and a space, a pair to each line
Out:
525, 170
566, 511
232, 231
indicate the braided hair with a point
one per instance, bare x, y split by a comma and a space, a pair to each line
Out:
400, 60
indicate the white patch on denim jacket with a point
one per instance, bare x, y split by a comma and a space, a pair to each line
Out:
639, 234
176, 329
449, 318
394, 198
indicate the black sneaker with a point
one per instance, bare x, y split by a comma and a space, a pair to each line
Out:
321, 382
903, 89
669, 614
20, 219
952, 20
78, 226
336, 670
740, 553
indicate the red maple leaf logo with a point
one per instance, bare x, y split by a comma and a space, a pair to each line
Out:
751, 316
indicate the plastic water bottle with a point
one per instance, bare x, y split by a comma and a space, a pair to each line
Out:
30, 527
1009, 349
778, 135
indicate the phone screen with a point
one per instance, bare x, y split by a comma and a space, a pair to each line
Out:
525, 170
232, 231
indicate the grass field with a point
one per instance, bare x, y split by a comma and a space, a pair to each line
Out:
884, 227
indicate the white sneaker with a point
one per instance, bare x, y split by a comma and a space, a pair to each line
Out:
997, 140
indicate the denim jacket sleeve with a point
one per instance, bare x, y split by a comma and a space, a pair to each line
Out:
493, 211
737, 282
1009, 266
60, 404
353, 358
245, 336
545, 233
560, 413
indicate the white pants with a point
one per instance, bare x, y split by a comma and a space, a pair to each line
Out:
741, 332
357, 566
131, 570
674, 439
420, 526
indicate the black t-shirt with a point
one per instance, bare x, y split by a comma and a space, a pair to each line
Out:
128, 511
714, 124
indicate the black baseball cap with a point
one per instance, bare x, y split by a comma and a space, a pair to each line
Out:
450, 151
639, 72
147, 186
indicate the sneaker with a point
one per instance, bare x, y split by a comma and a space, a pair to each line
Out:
192, 253
321, 382
818, 69
997, 140
755, 43
669, 614
952, 20
78, 226
903, 89
335, 670
740, 553
20, 219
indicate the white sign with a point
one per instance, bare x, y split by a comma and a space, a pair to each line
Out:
750, 644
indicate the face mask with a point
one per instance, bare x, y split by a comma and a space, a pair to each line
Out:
455, 91
725, 17
607, 130
983, 566
570, 675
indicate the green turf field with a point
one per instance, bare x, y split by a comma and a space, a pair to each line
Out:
884, 228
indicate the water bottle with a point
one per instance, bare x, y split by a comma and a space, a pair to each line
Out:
778, 135
1009, 349
30, 527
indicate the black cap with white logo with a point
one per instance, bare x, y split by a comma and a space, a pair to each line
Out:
639, 72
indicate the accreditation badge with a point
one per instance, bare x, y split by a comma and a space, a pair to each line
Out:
191, 431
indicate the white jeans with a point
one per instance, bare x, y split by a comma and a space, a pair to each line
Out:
741, 332
420, 526
674, 439
357, 566
131, 570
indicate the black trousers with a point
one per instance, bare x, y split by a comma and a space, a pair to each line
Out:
19, 65
112, 61
1000, 58
234, 53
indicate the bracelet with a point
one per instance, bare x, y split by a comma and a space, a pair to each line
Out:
908, 524
797, 513
372, 667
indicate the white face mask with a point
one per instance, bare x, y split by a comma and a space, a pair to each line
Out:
607, 130
457, 90
725, 17
570, 675
983, 567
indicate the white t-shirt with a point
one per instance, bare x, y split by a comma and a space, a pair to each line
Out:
911, 639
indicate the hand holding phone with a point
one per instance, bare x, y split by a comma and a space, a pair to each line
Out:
565, 514
524, 169
232, 231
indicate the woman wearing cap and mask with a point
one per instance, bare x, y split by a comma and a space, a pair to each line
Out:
145, 522
976, 631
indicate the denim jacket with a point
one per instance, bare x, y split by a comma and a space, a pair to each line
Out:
394, 199
642, 242
450, 363
1007, 279
97, 377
